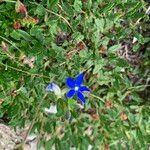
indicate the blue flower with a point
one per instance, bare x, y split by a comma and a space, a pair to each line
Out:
76, 88
54, 88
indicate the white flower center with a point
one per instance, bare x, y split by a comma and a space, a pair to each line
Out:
76, 88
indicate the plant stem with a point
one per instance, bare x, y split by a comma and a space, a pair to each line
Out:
35, 117
97, 97
139, 86
56, 14
8, 1
26, 72
10, 42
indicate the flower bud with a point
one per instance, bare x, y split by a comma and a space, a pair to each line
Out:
51, 110
54, 88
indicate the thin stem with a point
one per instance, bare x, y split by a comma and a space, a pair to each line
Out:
56, 14
35, 117
139, 86
9, 54
13, 58
25, 72
97, 97
8, 1
10, 42
59, 17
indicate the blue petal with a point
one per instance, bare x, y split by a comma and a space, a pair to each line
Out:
79, 79
81, 97
84, 89
49, 87
54, 88
70, 82
70, 93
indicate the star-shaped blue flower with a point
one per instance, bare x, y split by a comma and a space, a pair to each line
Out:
76, 88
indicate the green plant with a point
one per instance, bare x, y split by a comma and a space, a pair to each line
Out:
47, 41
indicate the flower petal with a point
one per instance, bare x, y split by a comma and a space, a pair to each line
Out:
81, 97
84, 89
54, 88
70, 93
79, 79
51, 110
49, 87
70, 82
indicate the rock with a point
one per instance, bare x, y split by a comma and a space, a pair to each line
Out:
8, 138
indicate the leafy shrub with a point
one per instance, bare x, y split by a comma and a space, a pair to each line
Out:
47, 41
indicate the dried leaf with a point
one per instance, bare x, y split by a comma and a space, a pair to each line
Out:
14, 93
103, 50
123, 116
1, 101
89, 131
94, 87
4, 46
20, 8
29, 20
80, 46
106, 147
60, 132
17, 25
95, 116
29, 61
108, 104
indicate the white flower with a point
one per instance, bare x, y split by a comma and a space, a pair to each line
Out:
51, 110
54, 88
134, 40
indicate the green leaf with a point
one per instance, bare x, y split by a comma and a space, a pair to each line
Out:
49, 144
77, 36
114, 48
15, 35
52, 3
100, 24
71, 103
40, 10
77, 5
25, 35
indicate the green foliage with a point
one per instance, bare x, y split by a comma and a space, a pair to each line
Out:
55, 39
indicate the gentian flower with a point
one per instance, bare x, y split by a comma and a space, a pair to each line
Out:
54, 88
76, 88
